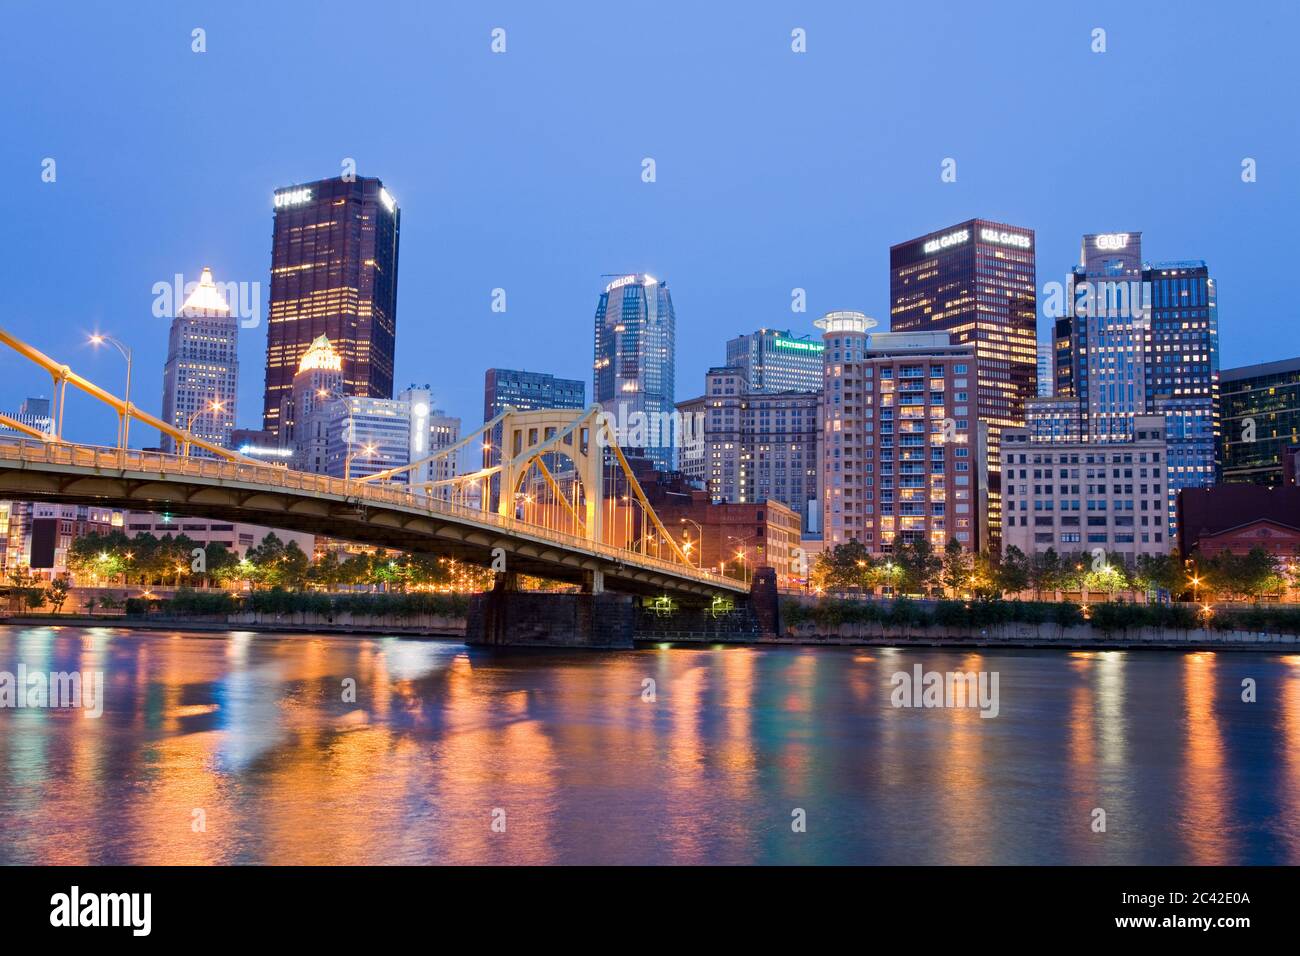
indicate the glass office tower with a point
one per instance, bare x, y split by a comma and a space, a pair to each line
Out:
634, 375
1140, 339
976, 281
333, 273
1102, 340
1183, 371
1261, 418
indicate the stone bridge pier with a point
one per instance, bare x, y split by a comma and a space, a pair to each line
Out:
599, 619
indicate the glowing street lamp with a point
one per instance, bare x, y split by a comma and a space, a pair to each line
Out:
699, 531
124, 432
366, 450
212, 406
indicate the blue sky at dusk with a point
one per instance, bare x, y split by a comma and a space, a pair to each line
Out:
523, 170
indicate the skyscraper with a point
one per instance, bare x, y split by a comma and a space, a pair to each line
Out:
201, 375
899, 448
976, 281
1142, 339
319, 382
773, 361
1102, 340
1183, 371
634, 376
754, 446
1261, 419
333, 273
524, 391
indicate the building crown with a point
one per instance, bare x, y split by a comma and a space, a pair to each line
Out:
206, 299
321, 355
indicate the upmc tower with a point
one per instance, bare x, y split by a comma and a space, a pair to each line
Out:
333, 273
976, 281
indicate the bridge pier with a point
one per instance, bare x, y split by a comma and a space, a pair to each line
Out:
766, 600
506, 618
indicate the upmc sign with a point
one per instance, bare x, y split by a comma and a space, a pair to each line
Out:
292, 197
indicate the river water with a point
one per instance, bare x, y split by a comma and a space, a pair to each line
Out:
244, 748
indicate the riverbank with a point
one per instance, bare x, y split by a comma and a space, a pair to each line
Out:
1041, 637
223, 625
1071, 639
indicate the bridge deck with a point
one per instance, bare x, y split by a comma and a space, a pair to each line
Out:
383, 515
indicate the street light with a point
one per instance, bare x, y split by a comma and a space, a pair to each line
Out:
212, 406
366, 450
699, 531
125, 431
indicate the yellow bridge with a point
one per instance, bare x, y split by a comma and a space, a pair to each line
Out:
590, 524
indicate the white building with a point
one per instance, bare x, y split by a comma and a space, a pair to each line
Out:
364, 436
1081, 495
237, 536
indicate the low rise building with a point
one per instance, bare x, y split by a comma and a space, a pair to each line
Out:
236, 536
1083, 495
1238, 517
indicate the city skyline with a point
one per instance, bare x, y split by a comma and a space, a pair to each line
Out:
481, 223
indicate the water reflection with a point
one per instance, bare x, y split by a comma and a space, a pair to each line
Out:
301, 749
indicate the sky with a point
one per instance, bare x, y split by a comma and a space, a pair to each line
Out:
522, 170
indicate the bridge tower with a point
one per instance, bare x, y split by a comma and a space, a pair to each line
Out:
529, 438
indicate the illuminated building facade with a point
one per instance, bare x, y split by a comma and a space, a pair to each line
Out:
1103, 337
756, 446
1260, 405
333, 273
773, 361
1183, 371
1078, 496
901, 447
1139, 339
1045, 369
976, 282
202, 368
382, 433
318, 382
634, 368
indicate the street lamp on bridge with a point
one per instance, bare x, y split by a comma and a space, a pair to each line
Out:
124, 431
366, 450
212, 406
699, 531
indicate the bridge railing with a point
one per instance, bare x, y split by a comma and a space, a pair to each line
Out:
164, 465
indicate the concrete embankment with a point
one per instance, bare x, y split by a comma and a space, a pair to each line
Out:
1081, 637
419, 625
